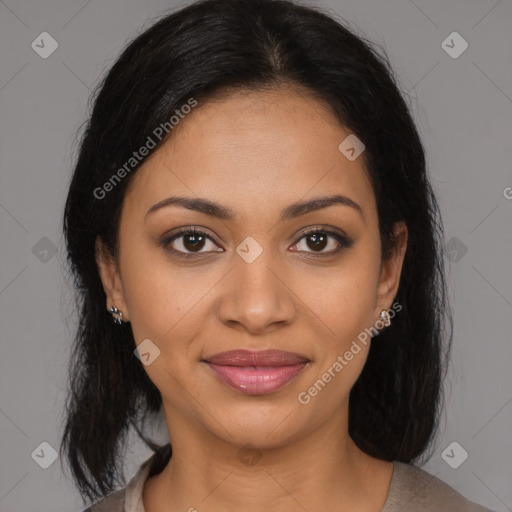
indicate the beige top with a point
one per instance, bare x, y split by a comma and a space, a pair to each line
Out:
412, 489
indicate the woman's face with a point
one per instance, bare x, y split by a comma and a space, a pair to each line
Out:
254, 281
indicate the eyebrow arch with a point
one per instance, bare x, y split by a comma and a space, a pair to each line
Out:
292, 211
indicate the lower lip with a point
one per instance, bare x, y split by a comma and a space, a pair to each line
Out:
257, 381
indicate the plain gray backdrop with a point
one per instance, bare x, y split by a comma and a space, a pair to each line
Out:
462, 103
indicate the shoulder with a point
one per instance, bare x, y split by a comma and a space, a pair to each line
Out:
419, 491
129, 498
112, 503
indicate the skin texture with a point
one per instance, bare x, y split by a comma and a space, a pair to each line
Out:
255, 153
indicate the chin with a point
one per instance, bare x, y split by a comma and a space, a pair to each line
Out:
264, 426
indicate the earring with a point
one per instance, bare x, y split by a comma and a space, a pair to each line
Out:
384, 316
118, 315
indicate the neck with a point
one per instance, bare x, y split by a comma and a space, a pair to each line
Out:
311, 473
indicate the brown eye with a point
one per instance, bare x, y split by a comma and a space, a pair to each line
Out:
189, 241
318, 240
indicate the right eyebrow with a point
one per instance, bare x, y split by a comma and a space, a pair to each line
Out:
213, 209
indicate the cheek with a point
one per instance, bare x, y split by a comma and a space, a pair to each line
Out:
157, 294
343, 298
164, 308
168, 305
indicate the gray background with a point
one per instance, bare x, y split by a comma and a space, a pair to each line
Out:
463, 107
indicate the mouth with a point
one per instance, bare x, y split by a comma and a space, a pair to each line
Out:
256, 373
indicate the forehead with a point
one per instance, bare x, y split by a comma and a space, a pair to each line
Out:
259, 147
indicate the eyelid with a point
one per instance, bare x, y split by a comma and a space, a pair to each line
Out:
167, 240
343, 240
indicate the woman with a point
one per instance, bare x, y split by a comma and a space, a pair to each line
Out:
257, 250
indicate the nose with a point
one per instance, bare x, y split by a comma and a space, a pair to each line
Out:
256, 297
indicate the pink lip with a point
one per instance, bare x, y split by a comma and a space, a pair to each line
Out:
256, 373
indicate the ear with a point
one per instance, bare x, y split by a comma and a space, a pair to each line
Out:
111, 279
391, 270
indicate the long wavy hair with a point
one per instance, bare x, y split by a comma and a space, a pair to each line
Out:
203, 49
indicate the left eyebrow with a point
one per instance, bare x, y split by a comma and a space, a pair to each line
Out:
293, 210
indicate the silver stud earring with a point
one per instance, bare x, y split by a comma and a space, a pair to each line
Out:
118, 315
384, 316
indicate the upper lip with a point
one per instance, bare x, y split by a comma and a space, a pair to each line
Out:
260, 358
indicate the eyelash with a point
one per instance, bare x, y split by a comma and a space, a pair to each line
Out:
345, 243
